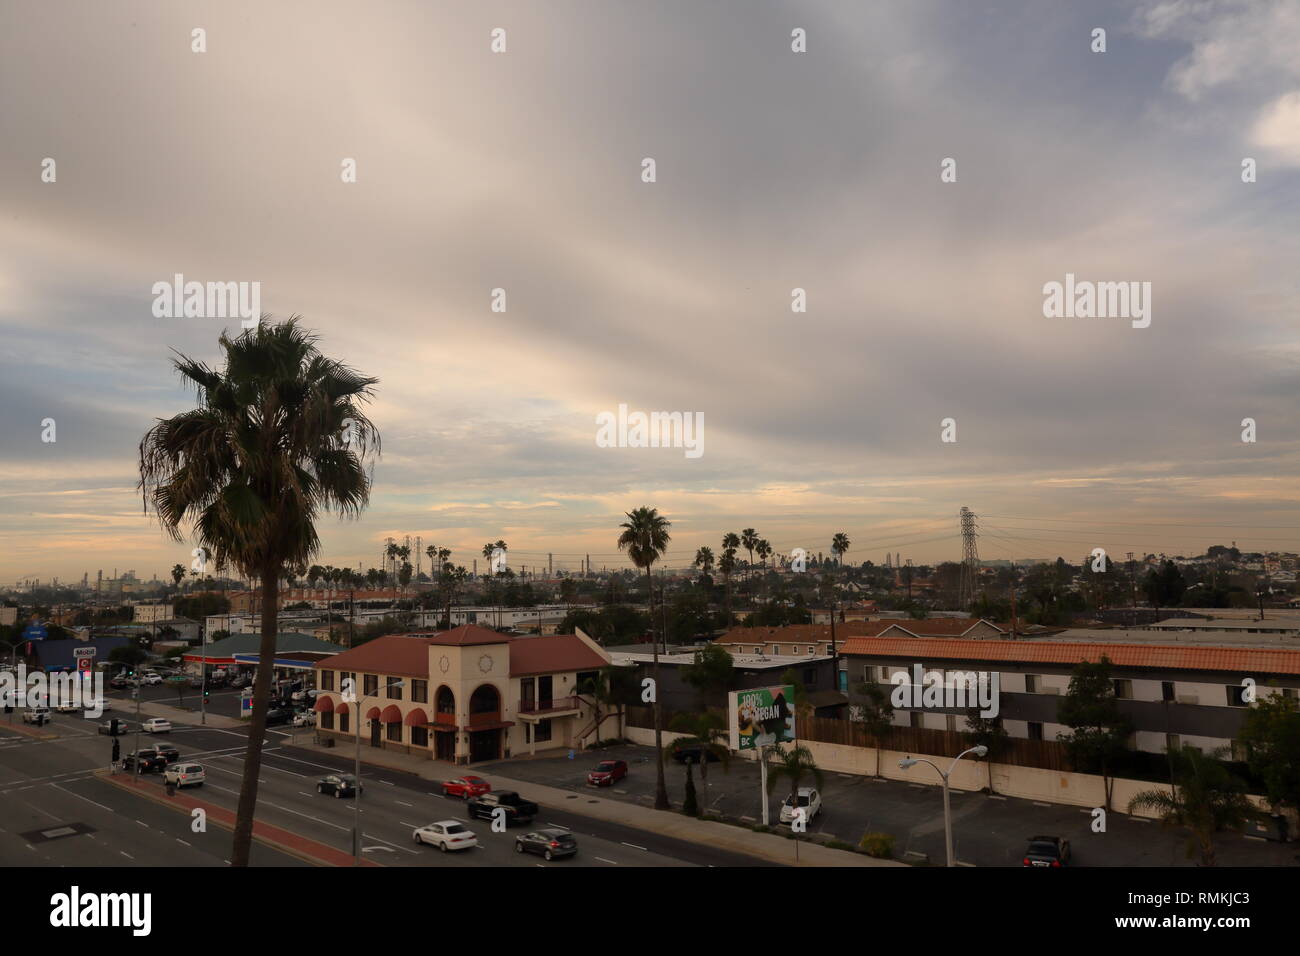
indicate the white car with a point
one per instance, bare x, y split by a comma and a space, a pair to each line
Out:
37, 715
185, 774
151, 678
809, 799
304, 719
157, 725
446, 835
68, 707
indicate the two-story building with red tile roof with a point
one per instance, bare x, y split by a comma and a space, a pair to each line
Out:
464, 695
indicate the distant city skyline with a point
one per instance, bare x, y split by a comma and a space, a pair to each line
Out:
783, 179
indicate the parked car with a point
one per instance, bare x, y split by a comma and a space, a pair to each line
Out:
196, 682
339, 784
303, 696
278, 715
119, 682
185, 774
148, 761
518, 810
550, 843
446, 835
809, 799
115, 727
37, 715
304, 718
68, 707
465, 787
684, 751
241, 680
157, 725
607, 773
1047, 851
151, 679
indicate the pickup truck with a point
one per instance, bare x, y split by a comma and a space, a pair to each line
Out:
518, 810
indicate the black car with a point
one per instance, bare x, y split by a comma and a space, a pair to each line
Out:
1047, 851
339, 784
149, 761
518, 810
684, 752
278, 715
550, 843
168, 752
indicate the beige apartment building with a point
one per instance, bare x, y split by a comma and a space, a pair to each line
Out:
464, 695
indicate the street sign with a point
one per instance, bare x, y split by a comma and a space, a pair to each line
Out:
84, 665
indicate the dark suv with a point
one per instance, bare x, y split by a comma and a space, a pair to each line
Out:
149, 761
1047, 851
518, 810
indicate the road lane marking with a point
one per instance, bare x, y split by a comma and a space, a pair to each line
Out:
80, 797
603, 860
635, 847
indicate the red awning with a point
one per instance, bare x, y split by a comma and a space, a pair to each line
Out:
342, 707
324, 705
372, 713
392, 715
416, 718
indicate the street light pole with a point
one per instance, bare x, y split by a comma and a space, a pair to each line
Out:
356, 807
979, 750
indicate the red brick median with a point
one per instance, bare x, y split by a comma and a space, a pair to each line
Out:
313, 851
30, 731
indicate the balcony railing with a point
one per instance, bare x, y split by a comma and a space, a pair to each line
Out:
549, 706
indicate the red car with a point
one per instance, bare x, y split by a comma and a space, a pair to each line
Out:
466, 787
607, 772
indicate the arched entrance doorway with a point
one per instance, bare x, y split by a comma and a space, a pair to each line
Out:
444, 725
484, 711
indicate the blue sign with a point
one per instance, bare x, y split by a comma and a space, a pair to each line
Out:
35, 632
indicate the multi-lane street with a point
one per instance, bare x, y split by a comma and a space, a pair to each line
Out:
58, 809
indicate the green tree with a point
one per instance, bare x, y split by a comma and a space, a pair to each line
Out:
705, 730
989, 732
1098, 731
1271, 737
875, 712
645, 538
710, 672
794, 764
265, 452
1205, 798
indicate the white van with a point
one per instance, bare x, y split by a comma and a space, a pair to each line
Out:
185, 774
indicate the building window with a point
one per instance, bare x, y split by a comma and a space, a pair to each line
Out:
394, 688
395, 732
914, 718
370, 684
951, 721
327, 720
1289, 692
758, 650
420, 691
326, 680
1236, 695
420, 736
1123, 689
343, 722
1031, 683
1166, 690
542, 732
1035, 731
884, 674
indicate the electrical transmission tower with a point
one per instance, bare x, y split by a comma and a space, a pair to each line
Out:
970, 560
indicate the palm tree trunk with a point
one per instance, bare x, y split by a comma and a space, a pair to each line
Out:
661, 787
243, 839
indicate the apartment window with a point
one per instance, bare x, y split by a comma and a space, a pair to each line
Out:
758, 651
326, 680
1123, 689
914, 718
394, 688
542, 732
1236, 695
1031, 684
420, 691
370, 684
420, 736
1166, 690
395, 732
1289, 692
884, 674
867, 672
343, 722
775, 650
1035, 731
327, 720
1172, 743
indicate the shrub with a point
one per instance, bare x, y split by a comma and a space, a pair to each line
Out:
880, 845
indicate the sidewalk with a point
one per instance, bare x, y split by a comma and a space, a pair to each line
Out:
766, 846
281, 839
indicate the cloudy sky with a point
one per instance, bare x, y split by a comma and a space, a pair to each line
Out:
775, 170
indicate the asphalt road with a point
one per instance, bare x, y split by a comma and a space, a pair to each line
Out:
55, 811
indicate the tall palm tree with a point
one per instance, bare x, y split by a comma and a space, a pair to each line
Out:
251, 468
795, 764
645, 538
1206, 798
749, 538
840, 545
704, 730
703, 560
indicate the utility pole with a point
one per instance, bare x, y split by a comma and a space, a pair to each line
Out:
970, 561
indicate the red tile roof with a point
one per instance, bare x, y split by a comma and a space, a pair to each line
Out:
552, 655
1158, 656
467, 635
804, 633
393, 654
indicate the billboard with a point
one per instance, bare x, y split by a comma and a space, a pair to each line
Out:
762, 716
